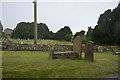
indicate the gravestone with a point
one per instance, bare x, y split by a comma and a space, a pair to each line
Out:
51, 52
100, 49
77, 45
89, 51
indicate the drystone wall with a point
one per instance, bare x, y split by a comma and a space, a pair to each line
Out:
28, 47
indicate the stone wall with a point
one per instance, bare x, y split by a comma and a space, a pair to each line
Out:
105, 48
28, 47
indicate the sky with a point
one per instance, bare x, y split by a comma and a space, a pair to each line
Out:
77, 15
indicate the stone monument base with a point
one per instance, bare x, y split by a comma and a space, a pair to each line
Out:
64, 55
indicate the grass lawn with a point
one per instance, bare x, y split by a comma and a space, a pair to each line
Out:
36, 64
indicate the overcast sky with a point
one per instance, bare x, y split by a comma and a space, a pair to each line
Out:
77, 15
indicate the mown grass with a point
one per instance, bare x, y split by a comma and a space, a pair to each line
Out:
36, 64
44, 42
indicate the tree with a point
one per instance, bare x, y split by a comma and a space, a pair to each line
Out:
81, 34
89, 34
117, 33
116, 17
1, 29
107, 28
68, 37
4, 35
43, 31
51, 35
25, 30
62, 33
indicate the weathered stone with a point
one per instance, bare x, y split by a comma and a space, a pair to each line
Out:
30, 47
51, 52
116, 53
65, 55
77, 45
62, 55
100, 49
89, 51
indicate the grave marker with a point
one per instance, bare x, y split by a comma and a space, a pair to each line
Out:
51, 52
89, 51
77, 45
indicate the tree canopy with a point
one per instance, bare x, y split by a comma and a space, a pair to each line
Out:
81, 34
1, 29
89, 34
108, 28
25, 30
64, 34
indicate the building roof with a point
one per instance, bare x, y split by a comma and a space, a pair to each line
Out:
8, 29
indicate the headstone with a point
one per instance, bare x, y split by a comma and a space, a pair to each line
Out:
77, 45
51, 53
100, 49
89, 51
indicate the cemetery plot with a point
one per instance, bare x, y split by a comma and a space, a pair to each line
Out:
77, 51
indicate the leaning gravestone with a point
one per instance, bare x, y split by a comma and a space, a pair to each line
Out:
77, 45
89, 51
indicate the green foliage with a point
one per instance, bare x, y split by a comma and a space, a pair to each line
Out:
68, 37
81, 34
117, 24
1, 29
26, 31
89, 34
51, 35
62, 33
107, 30
43, 31
4, 35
